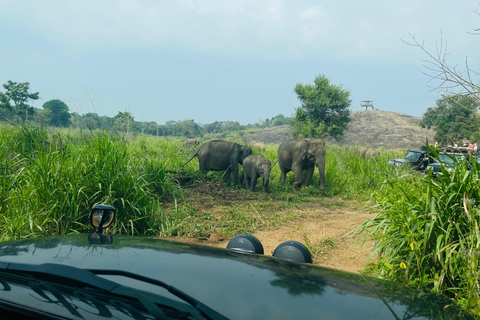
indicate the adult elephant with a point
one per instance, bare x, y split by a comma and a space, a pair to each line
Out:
300, 155
220, 155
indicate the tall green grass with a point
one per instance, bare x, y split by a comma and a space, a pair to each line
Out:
427, 233
49, 184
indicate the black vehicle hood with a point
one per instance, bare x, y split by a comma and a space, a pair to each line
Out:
240, 286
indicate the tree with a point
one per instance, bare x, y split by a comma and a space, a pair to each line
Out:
59, 115
89, 121
279, 120
190, 129
324, 110
454, 118
15, 99
123, 121
214, 127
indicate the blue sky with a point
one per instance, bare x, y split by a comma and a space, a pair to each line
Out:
217, 60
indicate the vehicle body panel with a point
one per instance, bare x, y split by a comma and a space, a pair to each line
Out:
239, 286
447, 160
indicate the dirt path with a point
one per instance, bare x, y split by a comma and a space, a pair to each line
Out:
328, 227
322, 225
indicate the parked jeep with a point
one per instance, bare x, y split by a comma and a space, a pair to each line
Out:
419, 159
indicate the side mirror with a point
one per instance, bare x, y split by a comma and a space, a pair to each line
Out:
102, 217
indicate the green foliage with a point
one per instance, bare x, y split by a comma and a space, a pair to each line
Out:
15, 99
454, 118
348, 174
123, 121
58, 115
50, 182
324, 110
427, 232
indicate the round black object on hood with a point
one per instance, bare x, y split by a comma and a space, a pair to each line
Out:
245, 243
293, 251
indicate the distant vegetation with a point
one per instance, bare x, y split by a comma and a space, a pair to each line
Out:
455, 119
15, 108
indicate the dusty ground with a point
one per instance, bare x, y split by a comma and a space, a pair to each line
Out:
322, 224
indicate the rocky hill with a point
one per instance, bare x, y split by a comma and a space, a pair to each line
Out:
375, 128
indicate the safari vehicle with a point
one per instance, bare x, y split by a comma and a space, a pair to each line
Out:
418, 159
446, 160
101, 276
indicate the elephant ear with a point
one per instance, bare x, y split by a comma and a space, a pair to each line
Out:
245, 151
304, 149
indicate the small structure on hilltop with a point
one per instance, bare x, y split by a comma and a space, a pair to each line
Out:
367, 104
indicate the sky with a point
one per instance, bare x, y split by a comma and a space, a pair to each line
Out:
218, 60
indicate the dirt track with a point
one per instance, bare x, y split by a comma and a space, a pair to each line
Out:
322, 224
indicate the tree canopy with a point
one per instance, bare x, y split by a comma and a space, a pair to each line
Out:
123, 121
324, 110
15, 99
454, 119
59, 116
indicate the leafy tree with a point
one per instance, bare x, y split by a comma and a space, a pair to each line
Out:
89, 121
107, 123
43, 117
324, 110
279, 120
15, 99
230, 126
123, 121
454, 118
190, 129
214, 127
59, 115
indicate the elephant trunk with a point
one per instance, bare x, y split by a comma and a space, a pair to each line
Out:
265, 184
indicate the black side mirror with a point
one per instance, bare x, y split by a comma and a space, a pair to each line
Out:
102, 217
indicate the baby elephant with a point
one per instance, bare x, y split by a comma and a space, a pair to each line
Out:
255, 166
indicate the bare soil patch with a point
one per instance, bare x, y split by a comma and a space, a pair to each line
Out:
322, 224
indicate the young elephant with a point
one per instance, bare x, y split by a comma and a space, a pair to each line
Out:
255, 166
220, 155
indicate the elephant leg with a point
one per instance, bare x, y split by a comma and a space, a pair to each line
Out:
234, 170
253, 183
298, 170
247, 181
308, 176
202, 164
283, 174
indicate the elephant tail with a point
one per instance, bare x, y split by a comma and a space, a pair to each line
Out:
196, 154
274, 163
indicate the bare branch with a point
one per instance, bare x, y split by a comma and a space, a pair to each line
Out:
443, 76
